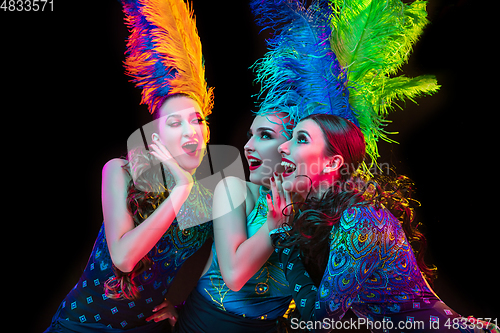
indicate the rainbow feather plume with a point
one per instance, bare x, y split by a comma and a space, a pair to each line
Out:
300, 74
164, 54
372, 39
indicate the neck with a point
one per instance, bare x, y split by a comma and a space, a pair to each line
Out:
318, 191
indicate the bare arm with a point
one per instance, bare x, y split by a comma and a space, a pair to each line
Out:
239, 257
128, 244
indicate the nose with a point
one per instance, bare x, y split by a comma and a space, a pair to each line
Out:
188, 130
283, 149
249, 145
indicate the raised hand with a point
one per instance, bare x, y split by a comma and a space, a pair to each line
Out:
279, 205
181, 176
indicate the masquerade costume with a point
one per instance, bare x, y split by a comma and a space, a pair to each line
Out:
213, 307
371, 270
340, 58
323, 60
164, 58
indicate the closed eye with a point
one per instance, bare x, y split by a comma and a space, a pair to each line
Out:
174, 124
198, 120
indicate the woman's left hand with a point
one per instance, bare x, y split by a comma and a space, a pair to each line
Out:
165, 310
280, 210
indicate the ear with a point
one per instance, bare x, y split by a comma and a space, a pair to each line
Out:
334, 164
155, 137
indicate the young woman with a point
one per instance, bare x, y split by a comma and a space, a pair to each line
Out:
347, 249
243, 289
140, 246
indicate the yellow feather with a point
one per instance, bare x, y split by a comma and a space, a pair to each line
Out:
178, 45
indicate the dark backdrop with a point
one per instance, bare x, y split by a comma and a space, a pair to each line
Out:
68, 108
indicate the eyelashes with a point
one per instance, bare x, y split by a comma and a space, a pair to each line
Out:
266, 135
301, 138
197, 120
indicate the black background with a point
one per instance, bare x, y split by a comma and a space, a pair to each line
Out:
68, 108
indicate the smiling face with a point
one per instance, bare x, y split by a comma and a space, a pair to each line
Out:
307, 167
261, 150
183, 130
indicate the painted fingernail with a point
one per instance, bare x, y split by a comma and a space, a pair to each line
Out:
268, 196
272, 179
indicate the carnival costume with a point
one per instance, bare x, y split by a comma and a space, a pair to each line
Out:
213, 307
163, 58
340, 58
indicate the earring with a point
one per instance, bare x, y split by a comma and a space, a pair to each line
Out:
327, 169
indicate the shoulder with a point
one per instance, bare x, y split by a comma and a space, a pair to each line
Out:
233, 192
237, 186
114, 165
230, 185
114, 173
366, 215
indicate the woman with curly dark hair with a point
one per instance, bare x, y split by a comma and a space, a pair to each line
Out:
153, 208
351, 245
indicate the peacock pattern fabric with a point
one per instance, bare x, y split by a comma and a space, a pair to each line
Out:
373, 271
266, 294
87, 306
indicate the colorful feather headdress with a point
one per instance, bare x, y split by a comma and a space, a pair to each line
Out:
164, 52
300, 74
338, 57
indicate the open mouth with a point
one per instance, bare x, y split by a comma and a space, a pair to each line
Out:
190, 147
253, 163
289, 167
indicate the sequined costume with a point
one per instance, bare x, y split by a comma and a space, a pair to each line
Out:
373, 271
86, 306
265, 296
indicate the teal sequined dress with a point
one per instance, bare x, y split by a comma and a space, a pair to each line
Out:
213, 307
266, 295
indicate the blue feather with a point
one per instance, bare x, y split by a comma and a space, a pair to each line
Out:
300, 74
156, 76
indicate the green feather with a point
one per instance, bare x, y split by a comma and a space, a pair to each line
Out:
373, 39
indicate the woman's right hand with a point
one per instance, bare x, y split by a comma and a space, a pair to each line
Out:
181, 176
279, 208
165, 310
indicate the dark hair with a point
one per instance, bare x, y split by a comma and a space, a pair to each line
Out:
146, 191
343, 138
311, 229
